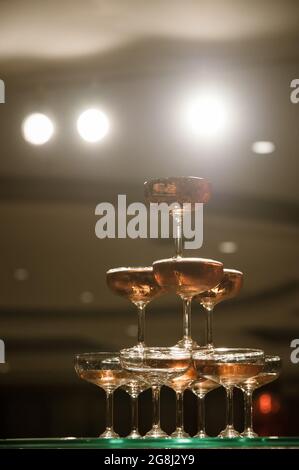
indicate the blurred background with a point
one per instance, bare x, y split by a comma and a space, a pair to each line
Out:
146, 66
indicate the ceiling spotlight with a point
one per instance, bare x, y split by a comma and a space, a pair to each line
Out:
21, 274
37, 129
93, 125
263, 147
228, 248
206, 115
86, 297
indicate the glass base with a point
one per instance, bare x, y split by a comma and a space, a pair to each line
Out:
155, 432
134, 434
179, 433
109, 433
229, 431
249, 432
187, 343
201, 435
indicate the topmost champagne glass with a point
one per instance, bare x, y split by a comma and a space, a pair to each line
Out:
178, 191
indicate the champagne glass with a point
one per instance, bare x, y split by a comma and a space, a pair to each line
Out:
200, 388
156, 366
269, 373
179, 385
134, 386
187, 277
229, 367
104, 370
176, 191
228, 288
139, 286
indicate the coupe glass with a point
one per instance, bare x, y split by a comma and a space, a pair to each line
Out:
104, 370
134, 386
200, 388
156, 366
229, 368
269, 373
176, 191
187, 277
179, 385
228, 288
139, 286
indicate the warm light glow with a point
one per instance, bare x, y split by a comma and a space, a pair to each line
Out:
37, 129
86, 297
268, 403
21, 274
93, 125
228, 247
265, 403
263, 147
207, 115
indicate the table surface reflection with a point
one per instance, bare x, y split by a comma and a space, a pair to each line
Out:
123, 443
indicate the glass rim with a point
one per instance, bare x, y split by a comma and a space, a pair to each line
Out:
237, 352
182, 260
177, 178
97, 354
272, 357
232, 271
148, 351
130, 268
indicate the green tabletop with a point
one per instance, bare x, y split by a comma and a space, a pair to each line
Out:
97, 443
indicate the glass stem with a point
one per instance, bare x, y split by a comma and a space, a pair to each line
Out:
141, 323
178, 232
201, 424
109, 410
248, 409
156, 406
179, 410
209, 326
134, 407
187, 318
229, 407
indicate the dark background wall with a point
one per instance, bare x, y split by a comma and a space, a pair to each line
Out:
140, 63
